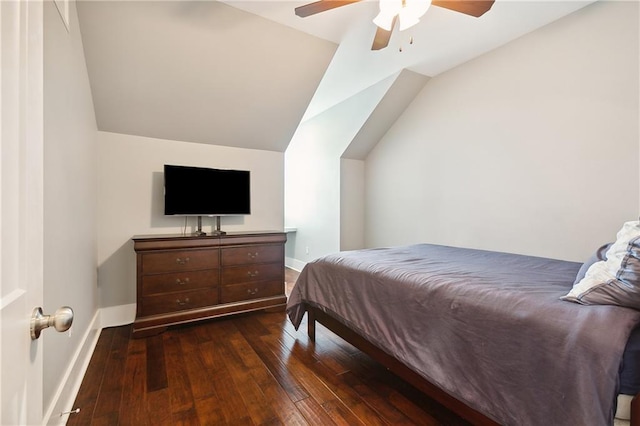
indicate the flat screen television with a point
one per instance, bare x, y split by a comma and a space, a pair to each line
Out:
200, 191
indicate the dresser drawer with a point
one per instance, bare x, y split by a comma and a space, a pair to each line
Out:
179, 281
247, 291
175, 261
179, 301
252, 273
252, 254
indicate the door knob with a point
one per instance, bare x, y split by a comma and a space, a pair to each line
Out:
61, 320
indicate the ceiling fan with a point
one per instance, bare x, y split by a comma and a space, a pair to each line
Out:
408, 12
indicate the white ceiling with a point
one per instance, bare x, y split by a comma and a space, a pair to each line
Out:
199, 71
246, 73
460, 36
442, 40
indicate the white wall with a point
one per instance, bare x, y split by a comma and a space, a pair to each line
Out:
532, 148
352, 210
312, 171
70, 184
130, 200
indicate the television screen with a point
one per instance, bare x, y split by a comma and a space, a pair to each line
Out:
199, 191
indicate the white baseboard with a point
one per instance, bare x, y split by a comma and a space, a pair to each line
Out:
66, 393
116, 316
295, 264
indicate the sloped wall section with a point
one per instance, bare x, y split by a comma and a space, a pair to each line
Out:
199, 71
323, 194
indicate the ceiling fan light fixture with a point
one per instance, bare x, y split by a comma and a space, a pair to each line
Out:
408, 11
390, 6
416, 7
384, 20
407, 20
411, 12
388, 10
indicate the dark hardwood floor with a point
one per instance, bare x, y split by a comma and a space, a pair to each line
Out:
252, 369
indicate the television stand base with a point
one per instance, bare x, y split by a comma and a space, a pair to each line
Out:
199, 232
217, 231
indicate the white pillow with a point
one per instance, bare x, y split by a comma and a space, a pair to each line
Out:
616, 280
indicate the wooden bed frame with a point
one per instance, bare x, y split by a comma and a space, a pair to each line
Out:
411, 377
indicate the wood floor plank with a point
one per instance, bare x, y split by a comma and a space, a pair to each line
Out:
251, 326
347, 396
304, 374
158, 407
274, 364
188, 417
202, 333
386, 387
155, 363
109, 399
392, 389
189, 339
417, 415
259, 409
336, 357
314, 413
229, 395
267, 372
209, 411
199, 375
177, 376
341, 395
230, 399
209, 357
108, 419
132, 406
387, 412
340, 414
248, 370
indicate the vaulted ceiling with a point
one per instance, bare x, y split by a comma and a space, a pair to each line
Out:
199, 71
246, 73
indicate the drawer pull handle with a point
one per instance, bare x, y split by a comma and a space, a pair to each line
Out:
252, 255
253, 274
181, 303
252, 291
182, 261
180, 282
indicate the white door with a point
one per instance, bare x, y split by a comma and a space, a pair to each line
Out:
21, 209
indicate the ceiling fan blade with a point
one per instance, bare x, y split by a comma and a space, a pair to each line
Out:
382, 37
475, 8
321, 6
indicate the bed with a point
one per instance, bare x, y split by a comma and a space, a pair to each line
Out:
484, 333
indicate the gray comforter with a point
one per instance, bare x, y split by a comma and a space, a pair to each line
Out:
486, 327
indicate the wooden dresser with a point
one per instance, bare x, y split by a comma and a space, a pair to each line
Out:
186, 278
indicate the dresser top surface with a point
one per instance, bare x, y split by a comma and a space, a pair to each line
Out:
204, 237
